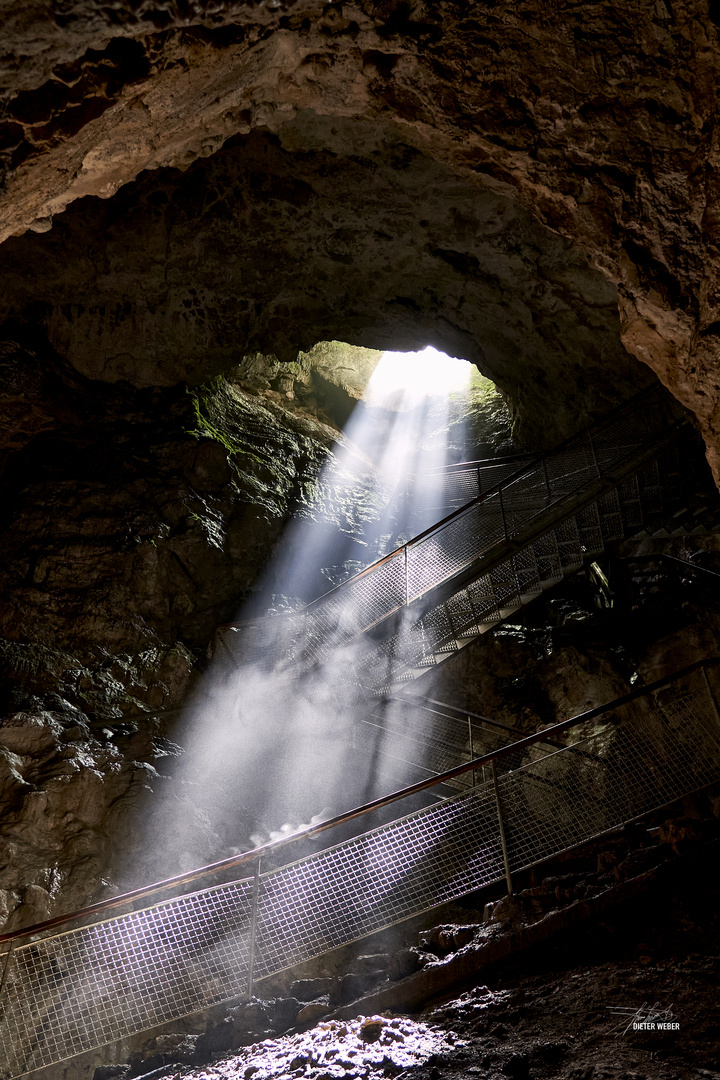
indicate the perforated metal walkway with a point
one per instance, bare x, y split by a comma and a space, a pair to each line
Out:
70, 990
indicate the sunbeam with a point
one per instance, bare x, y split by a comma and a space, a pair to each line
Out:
270, 744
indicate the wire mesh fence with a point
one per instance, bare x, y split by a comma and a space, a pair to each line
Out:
521, 577
413, 740
453, 486
83, 988
524, 492
88, 987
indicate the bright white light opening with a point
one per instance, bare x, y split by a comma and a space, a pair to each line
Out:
405, 379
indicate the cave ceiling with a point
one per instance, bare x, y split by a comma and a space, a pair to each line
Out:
267, 248
530, 186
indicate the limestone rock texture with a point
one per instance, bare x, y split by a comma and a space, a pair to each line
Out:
195, 195
530, 185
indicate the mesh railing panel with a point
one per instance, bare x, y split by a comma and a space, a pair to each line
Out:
568, 538
448, 549
524, 495
521, 577
81, 989
358, 605
633, 765
446, 491
611, 516
430, 741
651, 492
453, 546
590, 530
377, 879
91, 986
527, 575
489, 476
453, 486
573, 468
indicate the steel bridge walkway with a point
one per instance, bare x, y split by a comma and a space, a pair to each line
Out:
86, 980
541, 521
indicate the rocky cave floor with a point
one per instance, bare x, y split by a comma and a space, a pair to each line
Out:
549, 1015
545, 1013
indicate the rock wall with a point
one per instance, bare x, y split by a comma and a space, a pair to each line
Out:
276, 242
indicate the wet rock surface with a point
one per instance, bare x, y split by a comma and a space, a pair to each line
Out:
366, 1047
127, 529
488, 297
70, 793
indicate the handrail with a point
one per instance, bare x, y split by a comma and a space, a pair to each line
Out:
684, 563
596, 428
249, 857
466, 714
479, 463
425, 703
485, 495
487, 462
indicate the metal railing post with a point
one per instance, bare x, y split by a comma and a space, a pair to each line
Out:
303, 635
253, 926
547, 480
593, 454
472, 749
596, 466
501, 826
407, 578
711, 695
249, 858
5, 976
502, 511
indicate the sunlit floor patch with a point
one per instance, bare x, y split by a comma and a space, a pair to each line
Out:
366, 1047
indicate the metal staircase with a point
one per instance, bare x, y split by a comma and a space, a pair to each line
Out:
411, 739
541, 521
87, 979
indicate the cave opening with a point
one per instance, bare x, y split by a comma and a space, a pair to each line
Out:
411, 419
